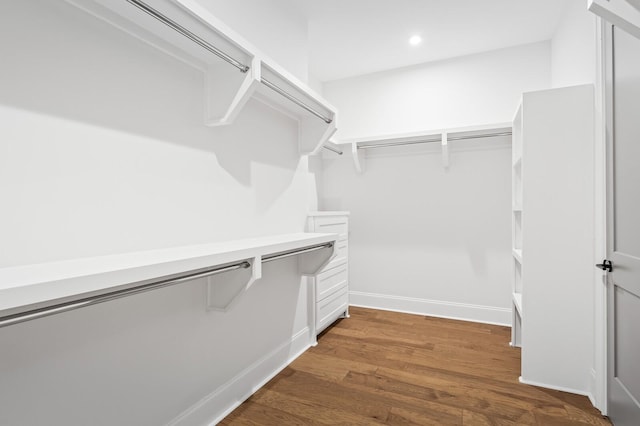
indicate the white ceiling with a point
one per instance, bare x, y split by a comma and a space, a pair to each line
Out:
354, 37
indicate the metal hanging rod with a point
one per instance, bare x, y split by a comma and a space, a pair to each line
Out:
37, 313
282, 255
431, 140
295, 100
333, 149
211, 48
117, 294
188, 34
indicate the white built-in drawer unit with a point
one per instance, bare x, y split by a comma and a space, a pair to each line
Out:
331, 284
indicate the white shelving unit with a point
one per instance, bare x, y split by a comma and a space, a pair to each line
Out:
27, 288
553, 232
516, 230
442, 136
330, 286
234, 70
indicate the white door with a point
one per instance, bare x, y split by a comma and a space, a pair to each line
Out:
623, 221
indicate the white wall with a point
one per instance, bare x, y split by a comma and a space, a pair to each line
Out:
103, 151
277, 30
475, 89
573, 53
423, 238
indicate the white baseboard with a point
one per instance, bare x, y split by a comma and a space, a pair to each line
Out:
217, 405
434, 308
558, 388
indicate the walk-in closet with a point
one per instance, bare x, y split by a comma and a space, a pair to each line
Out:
293, 212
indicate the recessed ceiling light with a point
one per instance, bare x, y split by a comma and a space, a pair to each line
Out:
415, 40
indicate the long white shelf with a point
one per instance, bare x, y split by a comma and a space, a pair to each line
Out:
443, 136
24, 288
191, 33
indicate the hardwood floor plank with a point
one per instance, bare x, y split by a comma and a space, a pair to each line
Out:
399, 416
313, 411
382, 367
334, 396
257, 414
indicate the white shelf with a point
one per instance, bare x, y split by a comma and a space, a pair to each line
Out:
226, 89
26, 287
517, 255
517, 302
621, 13
431, 133
451, 134
517, 209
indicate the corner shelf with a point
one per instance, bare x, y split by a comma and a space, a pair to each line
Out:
26, 288
442, 136
235, 74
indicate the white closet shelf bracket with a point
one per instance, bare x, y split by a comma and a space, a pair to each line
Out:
234, 70
359, 158
224, 291
445, 150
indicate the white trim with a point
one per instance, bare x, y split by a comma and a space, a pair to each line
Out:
214, 407
434, 308
593, 388
599, 373
558, 388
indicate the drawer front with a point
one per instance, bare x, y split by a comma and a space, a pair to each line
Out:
330, 281
342, 254
332, 225
331, 309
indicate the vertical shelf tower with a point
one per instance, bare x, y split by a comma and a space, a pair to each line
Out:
552, 239
516, 230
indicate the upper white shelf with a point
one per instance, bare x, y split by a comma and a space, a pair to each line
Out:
443, 136
24, 288
622, 13
235, 71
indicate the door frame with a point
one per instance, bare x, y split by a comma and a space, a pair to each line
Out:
603, 88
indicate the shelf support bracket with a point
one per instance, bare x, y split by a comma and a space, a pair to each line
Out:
310, 263
445, 150
358, 157
224, 290
227, 91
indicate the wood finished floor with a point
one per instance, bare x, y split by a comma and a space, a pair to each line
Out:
381, 367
